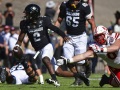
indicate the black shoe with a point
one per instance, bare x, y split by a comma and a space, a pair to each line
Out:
77, 83
82, 76
103, 80
54, 82
3, 74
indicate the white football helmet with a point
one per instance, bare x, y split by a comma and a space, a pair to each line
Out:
101, 34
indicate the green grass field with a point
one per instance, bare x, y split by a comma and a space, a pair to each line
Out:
65, 85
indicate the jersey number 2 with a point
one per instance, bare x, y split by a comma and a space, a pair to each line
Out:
36, 36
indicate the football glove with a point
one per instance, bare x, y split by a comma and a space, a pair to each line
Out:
62, 61
97, 48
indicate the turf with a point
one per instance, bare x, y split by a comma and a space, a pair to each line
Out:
65, 85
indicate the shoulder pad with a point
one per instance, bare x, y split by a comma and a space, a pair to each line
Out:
115, 35
63, 3
84, 4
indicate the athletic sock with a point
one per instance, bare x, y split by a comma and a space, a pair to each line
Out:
41, 79
54, 77
76, 75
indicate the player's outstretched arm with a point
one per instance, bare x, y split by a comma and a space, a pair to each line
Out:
112, 48
83, 56
79, 57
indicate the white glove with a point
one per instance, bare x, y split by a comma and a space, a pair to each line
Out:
62, 61
95, 48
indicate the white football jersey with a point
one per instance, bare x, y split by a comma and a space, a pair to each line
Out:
19, 73
112, 59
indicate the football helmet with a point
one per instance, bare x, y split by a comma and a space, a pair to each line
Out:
73, 4
32, 11
100, 35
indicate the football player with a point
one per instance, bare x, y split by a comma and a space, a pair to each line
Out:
75, 14
107, 47
19, 75
36, 27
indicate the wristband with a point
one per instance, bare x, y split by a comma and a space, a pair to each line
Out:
70, 60
104, 49
17, 45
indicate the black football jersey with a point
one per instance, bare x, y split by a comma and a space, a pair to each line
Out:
75, 19
38, 31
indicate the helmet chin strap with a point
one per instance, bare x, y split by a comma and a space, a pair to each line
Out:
74, 5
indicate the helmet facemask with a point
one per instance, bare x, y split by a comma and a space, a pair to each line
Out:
100, 39
101, 35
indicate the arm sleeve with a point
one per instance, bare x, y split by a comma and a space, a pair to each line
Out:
49, 24
62, 10
87, 11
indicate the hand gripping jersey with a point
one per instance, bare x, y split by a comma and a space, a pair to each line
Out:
75, 19
38, 31
112, 59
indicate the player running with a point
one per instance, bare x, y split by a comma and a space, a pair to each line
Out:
36, 27
75, 13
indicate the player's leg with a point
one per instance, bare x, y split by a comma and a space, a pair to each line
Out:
68, 50
88, 68
47, 54
80, 44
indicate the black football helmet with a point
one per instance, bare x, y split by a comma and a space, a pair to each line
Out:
32, 11
73, 5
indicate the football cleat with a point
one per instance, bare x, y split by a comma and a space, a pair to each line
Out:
83, 77
54, 82
103, 80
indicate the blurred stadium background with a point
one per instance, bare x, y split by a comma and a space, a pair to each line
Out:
104, 9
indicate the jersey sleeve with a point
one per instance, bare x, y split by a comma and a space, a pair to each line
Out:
114, 37
62, 9
87, 10
49, 25
22, 26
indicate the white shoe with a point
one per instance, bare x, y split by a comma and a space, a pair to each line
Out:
54, 82
41, 83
